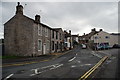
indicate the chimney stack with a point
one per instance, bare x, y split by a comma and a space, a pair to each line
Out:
93, 30
37, 18
101, 29
19, 9
84, 33
69, 31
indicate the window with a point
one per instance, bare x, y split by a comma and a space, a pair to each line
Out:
57, 45
52, 45
48, 45
56, 35
39, 29
96, 37
39, 45
52, 34
60, 36
46, 31
107, 37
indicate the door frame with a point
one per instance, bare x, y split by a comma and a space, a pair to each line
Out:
44, 48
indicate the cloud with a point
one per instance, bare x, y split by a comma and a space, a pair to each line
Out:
80, 17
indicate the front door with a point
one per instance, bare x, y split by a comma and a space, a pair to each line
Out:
55, 47
44, 49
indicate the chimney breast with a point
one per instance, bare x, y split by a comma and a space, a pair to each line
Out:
37, 18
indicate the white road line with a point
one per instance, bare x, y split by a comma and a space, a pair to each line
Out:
8, 76
59, 65
56, 67
93, 53
36, 71
72, 59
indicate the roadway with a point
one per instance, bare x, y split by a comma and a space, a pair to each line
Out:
71, 65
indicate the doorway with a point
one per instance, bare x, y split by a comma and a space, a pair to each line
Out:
44, 48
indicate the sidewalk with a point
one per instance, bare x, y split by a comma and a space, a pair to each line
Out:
28, 59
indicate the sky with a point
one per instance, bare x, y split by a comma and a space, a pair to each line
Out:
80, 17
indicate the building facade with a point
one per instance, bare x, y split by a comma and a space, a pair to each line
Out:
103, 37
57, 40
75, 40
85, 38
68, 40
24, 36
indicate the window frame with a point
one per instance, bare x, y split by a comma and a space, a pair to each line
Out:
39, 49
39, 29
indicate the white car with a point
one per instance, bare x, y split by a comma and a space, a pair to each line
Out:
84, 46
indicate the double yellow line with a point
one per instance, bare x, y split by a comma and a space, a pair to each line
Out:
88, 73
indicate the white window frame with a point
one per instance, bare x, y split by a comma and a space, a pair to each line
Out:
38, 45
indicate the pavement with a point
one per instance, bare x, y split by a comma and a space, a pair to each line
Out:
37, 58
72, 66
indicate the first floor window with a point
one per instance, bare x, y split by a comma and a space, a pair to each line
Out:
39, 45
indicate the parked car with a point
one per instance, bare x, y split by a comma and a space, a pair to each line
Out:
84, 46
102, 47
116, 46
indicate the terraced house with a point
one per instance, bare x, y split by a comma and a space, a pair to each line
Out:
29, 37
57, 40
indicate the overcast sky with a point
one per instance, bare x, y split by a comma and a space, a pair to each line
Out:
80, 17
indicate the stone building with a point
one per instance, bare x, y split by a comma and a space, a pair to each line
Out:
57, 40
68, 40
75, 41
25, 36
105, 38
84, 39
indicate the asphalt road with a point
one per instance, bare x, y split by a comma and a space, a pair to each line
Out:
71, 65
110, 69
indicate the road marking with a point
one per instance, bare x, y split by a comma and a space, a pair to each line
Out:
72, 59
85, 65
88, 73
73, 66
8, 76
59, 65
93, 53
36, 71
